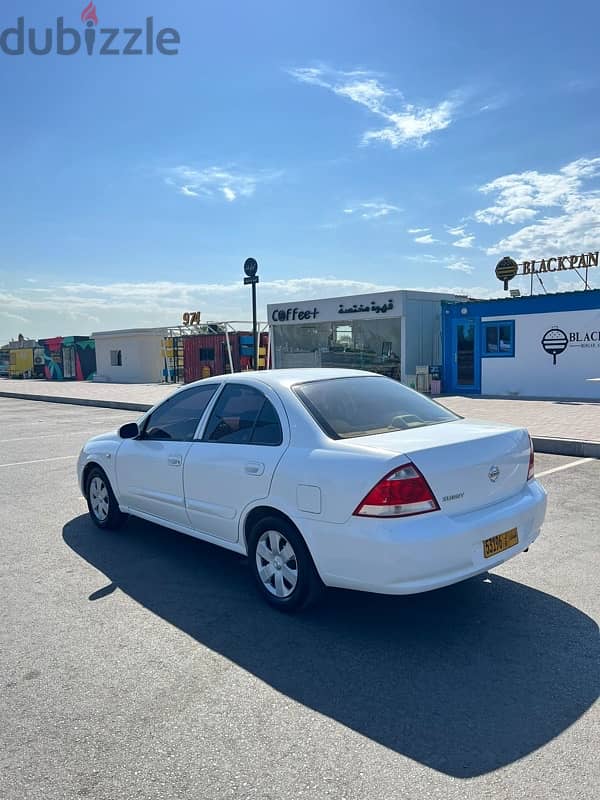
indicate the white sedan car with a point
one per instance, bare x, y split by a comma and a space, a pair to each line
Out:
322, 477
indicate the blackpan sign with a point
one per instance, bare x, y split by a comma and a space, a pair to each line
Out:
556, 341
559, 263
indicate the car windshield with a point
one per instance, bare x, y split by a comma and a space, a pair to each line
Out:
361, 406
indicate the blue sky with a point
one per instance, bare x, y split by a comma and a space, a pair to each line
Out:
348, 146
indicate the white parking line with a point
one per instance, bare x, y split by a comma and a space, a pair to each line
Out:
62, 434
37, 461
564, 466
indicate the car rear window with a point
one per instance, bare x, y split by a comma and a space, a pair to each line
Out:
361, 406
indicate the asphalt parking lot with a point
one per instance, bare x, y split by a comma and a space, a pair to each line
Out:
141, 664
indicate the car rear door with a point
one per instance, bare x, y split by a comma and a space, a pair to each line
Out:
150, 468
233, 464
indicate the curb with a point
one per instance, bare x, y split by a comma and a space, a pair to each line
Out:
566, 447
79, 401
541, 444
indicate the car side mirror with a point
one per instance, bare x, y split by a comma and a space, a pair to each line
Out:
129, 431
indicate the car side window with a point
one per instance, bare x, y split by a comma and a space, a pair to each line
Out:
177, 418
243, 415
267, 429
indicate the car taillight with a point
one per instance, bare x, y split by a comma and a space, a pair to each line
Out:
531, 471
401, 493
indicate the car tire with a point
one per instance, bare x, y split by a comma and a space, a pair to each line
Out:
283, 569
102, 503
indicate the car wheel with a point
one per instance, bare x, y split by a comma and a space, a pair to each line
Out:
102, 503
282, 566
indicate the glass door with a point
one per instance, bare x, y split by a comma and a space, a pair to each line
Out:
466, 372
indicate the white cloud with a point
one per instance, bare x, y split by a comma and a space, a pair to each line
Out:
211, 182
425, 239
460, 266
188, 192
404, 123
521, 197
458, 231
80, 308
18, 317
373, 210
413, 124
465, 241
418, 230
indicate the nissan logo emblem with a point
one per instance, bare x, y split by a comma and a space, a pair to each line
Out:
494, 473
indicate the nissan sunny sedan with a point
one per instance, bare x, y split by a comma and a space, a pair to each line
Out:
322, 477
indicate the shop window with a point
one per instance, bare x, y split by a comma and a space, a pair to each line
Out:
343, 335
207, 354
498, 339
115, 358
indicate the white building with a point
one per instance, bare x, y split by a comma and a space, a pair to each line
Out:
130, 356
541, 346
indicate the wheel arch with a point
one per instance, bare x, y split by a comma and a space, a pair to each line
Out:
86, 472
257, 513
264, 510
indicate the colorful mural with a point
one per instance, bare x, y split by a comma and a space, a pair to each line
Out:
69, 358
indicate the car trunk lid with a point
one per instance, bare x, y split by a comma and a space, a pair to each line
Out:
468, 464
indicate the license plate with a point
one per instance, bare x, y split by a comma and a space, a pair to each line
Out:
496, 544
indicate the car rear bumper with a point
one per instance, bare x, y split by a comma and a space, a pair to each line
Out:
417, 554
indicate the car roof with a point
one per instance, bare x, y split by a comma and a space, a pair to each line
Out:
284, 378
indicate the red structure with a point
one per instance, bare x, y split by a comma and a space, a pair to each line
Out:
207, 354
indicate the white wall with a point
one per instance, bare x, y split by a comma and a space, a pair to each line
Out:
140, 355
532, 373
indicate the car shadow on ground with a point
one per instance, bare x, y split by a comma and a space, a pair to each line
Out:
464, 680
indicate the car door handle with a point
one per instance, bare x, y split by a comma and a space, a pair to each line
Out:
174, 461
254, 468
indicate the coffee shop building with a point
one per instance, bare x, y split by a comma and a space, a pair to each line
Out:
395, 333
544, 345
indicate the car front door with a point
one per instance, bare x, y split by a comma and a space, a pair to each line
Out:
233, 464
150, 467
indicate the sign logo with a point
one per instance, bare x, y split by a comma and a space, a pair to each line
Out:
65, 41
494, 473
555, 342
506, 269
89, 16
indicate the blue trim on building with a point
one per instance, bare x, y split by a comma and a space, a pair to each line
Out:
474, 310
536, 304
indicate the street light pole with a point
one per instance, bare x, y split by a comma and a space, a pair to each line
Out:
251, 268
254, 327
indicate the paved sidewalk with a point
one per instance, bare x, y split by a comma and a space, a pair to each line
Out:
558, 426
134, 396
